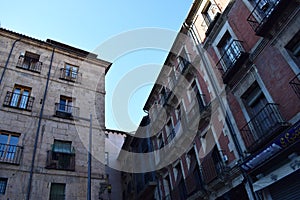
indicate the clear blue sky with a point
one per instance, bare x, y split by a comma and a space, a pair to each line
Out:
90, 23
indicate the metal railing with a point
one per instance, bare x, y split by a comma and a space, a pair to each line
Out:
262, 125
66, 111
60, 160
295, 84
16, 100
29, 64
10, 153
230, 56
70, 75
261, 13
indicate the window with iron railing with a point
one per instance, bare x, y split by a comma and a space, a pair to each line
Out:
264, 116
261, 15
30, 61
70, 73
62, 156
19, 98
65, 108
10, 151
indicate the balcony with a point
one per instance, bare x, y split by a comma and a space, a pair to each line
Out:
66, 111
32, 65
60, 160
10, 154
70, 75
19, 101
215, 172
295, 84
265, 14
262, 127
232, 60
197, 112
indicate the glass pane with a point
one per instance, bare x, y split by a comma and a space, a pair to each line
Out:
3, 142
57, 191
63, 147
24, 99
3, 138
74, 72
67, 70
15, 97
62, 104
14, 140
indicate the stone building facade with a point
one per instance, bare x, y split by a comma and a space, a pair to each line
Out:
48, 90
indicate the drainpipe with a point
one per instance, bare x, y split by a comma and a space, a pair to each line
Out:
7, 61
38, 128
227, 120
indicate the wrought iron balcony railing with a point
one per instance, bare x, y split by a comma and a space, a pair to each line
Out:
10, 153
295, 84
19, 101
264, 14
232, 59
70, 75
29, 64
66, 111
262, 126
60, 160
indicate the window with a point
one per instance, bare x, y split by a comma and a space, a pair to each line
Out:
255, 102
57, 191
62, 156
183, 60
65, 104
62, 146
20, 97
167, 187
209, 12
254, 99
160, 141
3, 183
69, 72
170, 131
65, 108
197, 95
178, 112
229, 50
293, 47
30, 61
8, 146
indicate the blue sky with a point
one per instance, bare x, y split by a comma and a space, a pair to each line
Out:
90, 23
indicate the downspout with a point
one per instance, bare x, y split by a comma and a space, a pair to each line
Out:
7, 61
38, 128
227, 120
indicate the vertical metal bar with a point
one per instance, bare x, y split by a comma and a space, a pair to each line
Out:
89, 160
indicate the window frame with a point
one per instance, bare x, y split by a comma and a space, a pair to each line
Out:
55, 193
3, 185
20, 100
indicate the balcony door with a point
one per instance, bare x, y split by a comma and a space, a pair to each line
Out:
65, 104
255, 102
8, 146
